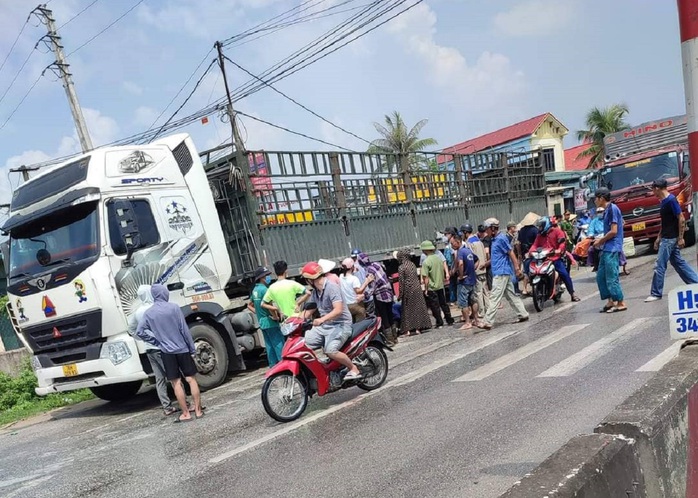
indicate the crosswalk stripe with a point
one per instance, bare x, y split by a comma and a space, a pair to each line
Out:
596, 350
524, 352
656, 363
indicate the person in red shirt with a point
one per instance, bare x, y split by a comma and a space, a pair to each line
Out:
552, 238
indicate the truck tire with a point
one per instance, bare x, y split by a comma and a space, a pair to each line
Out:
117, 392
211, 355
690, 235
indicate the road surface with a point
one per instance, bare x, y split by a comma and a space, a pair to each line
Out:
462, 414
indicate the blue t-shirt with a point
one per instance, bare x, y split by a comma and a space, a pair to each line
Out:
610, 216
468, 258
499, 254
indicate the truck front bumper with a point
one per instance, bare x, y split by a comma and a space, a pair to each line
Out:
92, 373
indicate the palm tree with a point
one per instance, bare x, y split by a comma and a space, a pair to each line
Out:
601, 122
398, 139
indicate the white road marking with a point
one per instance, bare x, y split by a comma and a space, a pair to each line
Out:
400, 381
519, 354
596, 350
656, 363
426, 350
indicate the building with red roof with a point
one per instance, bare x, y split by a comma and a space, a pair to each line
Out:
572, 163
544, 132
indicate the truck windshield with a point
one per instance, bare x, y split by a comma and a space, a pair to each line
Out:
642, 172
69, 235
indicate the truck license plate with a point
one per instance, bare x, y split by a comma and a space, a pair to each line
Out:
638, 226
70, 370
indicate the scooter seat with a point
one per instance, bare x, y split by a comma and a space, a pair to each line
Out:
360, 327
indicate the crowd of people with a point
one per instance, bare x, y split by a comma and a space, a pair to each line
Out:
476, 271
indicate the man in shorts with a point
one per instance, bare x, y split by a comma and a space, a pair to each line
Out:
333, 328
467, 279
170, 333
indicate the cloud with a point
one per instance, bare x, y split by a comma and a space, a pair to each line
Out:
132, 88
488, 84
103, 129
145, 116
535, 18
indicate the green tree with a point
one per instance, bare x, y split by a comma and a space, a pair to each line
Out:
396, 138
601, 122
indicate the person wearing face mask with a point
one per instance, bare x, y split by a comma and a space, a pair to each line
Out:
268, 320
332, 329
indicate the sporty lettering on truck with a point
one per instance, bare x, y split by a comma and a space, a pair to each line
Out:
636, 157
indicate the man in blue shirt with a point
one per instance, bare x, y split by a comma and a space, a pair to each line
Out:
611, 246
669, 242
466, 261
503, 261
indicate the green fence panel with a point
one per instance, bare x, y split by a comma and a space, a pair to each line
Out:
8, 335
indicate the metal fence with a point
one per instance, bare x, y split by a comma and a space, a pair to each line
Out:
8, 336
323, 204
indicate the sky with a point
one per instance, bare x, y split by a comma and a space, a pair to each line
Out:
468, 66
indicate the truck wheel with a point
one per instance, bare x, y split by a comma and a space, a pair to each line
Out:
211, 355
117, 392
690, 235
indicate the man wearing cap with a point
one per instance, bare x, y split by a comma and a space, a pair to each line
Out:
450, 254
486, 239
611, 246
480, 291
504, 266
434, 273
360, 272
353, 290
669, 242
267, 319
514, 241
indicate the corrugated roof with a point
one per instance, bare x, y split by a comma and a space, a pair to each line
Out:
499, 137
571, 161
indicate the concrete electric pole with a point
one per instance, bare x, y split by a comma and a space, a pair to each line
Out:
46, 17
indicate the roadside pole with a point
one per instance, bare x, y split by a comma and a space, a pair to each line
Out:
688, 28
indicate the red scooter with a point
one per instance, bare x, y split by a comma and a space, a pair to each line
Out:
302, 372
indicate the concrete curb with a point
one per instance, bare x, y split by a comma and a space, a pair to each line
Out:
656, 416
597, 465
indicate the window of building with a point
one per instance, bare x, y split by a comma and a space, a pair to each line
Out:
548, 160
147, 227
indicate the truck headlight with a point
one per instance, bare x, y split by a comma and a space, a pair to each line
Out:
36, 364
116, 352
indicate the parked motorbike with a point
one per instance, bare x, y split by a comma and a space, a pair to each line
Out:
303, 372
545, 281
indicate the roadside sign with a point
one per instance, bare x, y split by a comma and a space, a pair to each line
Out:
683, 312
580, 199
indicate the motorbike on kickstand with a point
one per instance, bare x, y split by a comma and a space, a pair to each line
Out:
545, 281
303, 372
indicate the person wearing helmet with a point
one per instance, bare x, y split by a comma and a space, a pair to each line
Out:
552, 238
611, 247
360, 272
332, 329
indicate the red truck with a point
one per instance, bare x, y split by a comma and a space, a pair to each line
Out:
636, 157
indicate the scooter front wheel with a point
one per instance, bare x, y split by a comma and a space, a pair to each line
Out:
539, 296
284, 397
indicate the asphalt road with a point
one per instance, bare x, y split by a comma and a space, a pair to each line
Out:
462, 415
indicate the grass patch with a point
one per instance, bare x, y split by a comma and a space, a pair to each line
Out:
19, 401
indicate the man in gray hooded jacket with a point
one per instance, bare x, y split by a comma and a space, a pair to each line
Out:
170, 333
145, 301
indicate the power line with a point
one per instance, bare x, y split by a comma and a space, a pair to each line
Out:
196, 86
77, 15
14, 43
180, 90
107, 27
293, 132
23, 98
19, 71
296, 102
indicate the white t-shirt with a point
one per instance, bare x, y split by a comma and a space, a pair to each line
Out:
348, 284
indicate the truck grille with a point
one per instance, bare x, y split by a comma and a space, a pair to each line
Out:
650, 211
65, 334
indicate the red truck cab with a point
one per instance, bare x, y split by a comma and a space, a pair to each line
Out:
637, 157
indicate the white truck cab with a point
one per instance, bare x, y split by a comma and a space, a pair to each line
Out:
85, 234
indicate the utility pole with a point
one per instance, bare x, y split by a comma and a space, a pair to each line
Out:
241, 160
61, 67
24, 170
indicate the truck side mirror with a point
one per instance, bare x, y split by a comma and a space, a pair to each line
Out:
128, 227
